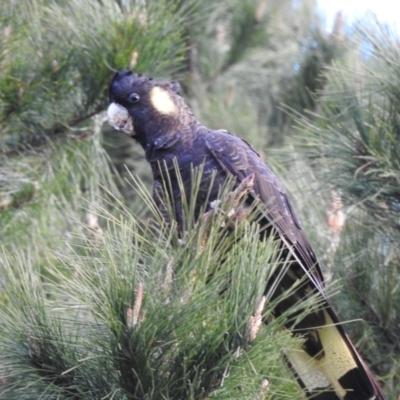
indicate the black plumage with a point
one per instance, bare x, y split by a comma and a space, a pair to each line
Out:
327, 366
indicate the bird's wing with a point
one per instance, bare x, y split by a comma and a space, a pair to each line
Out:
336, 371
239, 159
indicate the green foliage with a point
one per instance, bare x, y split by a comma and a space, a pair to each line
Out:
50, 50
351, 143
57, 61
38, 191
357, 138
243, 63
74, 260
130, 312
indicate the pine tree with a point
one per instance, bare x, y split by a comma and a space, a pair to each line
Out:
351, 145
97, 299
78, 313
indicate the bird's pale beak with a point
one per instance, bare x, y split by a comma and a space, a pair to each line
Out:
119, 118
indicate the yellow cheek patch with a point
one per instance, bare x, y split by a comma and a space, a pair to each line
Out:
162, 101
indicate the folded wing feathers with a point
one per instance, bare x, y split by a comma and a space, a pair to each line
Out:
337, 372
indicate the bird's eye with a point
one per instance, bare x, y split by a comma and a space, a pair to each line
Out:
133, 98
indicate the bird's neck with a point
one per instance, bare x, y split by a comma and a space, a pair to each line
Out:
166, 138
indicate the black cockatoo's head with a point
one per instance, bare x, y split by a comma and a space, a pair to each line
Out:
137, 102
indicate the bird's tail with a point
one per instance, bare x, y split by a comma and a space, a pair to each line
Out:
336, 371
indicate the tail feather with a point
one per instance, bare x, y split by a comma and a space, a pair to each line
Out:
337, 372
